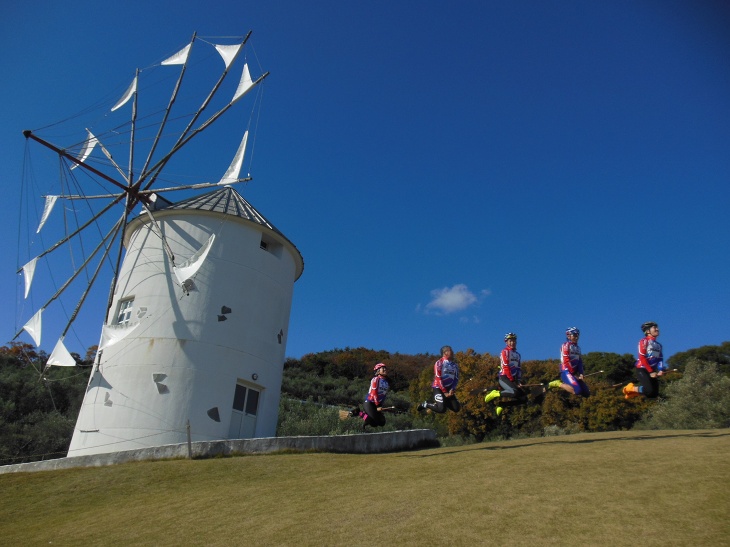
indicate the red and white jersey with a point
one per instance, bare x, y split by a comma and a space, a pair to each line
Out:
445, 375
510, 364
650, 355
570, 358
379, 387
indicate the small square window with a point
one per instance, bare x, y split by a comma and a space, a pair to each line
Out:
270, 245
125, 311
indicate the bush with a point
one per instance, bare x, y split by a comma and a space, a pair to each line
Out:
305, 418
37, 411
719, 355
311, 418
700, 400
555, 431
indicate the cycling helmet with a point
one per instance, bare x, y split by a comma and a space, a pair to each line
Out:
646, 326
572, 330
379, 366
510, 336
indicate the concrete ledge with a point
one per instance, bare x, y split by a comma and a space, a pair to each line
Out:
369, 443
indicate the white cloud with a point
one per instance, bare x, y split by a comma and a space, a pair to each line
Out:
453, 299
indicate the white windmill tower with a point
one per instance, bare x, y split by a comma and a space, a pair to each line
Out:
201, 343
194, 339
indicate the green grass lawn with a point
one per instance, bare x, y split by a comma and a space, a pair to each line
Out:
618, 488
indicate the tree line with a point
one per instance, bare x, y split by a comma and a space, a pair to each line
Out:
694, 396
38, 411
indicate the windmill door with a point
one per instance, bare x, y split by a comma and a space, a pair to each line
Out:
243, 415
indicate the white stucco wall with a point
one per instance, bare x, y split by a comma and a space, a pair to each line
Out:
180, 335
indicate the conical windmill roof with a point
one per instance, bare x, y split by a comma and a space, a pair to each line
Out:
225, 201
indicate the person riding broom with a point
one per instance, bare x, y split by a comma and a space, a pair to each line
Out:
649, 365
510, 377
379, 387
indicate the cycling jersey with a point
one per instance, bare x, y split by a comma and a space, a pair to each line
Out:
445, 375
650, 355
379, 387
570, 358
509, 364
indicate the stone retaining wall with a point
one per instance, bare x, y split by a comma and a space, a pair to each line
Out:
369, 443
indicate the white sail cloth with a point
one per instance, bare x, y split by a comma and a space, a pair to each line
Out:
244, 85
60, 356
229, 53
47, 208
34, 327
190, 267
28, 273
89, 145
131, 90
111, 334
234, 170
179, 58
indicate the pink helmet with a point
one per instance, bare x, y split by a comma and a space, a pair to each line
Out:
379, 366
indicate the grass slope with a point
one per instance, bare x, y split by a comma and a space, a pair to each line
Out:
618, 488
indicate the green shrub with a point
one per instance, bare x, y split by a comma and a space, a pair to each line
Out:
699, 400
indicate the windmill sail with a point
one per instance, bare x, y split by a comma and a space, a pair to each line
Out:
127, 95
244, 85
234, 169
179, 58
47, 208
28, 273
60, 356
229, 53
86, 152
111, 334
34, 327
190, 267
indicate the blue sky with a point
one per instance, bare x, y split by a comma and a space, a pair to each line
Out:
449, 172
